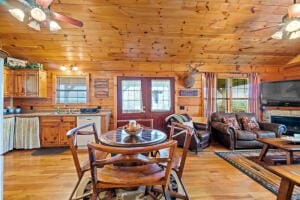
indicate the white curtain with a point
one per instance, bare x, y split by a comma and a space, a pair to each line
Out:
27, 134
210, 93
8, 133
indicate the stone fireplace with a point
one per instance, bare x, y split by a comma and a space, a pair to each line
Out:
290, 118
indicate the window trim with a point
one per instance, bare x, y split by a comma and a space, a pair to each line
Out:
85, 75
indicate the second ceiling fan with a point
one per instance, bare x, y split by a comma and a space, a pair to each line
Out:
39, 12
289, 28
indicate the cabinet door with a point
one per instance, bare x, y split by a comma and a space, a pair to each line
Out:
7, 79
19, 84
63, 129
49, 134
32, 89
50, 131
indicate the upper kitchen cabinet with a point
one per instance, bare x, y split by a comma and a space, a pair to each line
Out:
30, 83
8, 82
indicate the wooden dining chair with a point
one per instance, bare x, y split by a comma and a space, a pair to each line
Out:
81, 165
178, 162
130, 167
145, 123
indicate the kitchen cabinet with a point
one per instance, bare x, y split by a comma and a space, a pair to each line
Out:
8, 82
53, 130
30, 83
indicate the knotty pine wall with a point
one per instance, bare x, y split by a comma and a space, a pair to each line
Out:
193, 105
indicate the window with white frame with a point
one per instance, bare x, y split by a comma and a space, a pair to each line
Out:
132, 96
232, 94
71, 89
160, 95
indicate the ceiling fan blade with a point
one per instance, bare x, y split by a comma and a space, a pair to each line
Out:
67, 19
263, 28
44, 3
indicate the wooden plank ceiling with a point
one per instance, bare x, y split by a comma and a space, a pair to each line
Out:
163, 31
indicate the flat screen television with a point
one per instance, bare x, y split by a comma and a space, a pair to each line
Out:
280, 93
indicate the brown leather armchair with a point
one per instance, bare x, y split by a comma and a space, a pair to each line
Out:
236, 137
201, 135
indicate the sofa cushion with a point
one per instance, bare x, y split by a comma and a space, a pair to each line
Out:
265, 134
239, 117
245, 135
232, 122
250, 124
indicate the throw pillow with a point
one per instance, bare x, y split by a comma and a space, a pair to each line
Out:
250, 124
189, 123
232, 122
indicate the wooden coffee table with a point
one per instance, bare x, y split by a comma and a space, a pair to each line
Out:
279, 143
290, 176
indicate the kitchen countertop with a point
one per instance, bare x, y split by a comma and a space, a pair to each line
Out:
39, 114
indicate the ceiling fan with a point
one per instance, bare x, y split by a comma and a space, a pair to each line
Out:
39, 12
289, 28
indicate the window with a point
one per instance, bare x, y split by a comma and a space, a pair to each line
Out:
232, 95
132, 96
71, 89
160, 95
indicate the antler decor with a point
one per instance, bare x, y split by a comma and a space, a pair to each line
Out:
189, 79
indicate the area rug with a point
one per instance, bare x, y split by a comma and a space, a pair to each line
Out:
123, 194
247, 162
49, 151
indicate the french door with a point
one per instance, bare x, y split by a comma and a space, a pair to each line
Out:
145, 98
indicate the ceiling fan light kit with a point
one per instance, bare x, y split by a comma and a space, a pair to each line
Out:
294, 10
17, 13
34, 25
37, 13
278, 35
54, 26
293, 25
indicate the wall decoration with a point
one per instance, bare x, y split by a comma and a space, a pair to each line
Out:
188, 93
101, 88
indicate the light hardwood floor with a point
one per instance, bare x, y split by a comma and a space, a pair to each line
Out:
206, 176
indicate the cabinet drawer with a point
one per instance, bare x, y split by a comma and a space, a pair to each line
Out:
50, 119
69, 119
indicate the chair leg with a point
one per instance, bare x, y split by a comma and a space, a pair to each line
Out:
166, 193
75, 188
94, 196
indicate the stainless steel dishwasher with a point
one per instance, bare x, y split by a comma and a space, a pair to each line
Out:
82, 140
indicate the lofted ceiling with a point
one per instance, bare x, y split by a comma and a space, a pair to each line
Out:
215, 32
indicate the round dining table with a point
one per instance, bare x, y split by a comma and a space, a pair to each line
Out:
119, 138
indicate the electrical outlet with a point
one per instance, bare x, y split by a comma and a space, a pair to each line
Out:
181, 107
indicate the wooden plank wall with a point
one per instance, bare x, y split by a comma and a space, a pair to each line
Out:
193, 105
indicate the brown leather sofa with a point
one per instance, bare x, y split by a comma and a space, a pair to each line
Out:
201, 135
236, 136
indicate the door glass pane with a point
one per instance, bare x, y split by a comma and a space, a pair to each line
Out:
131, 96
160, 95
239, 88
239, 105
